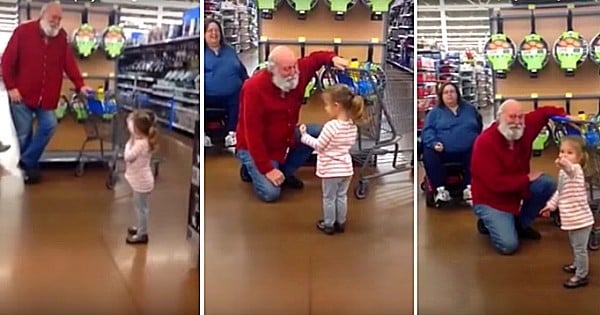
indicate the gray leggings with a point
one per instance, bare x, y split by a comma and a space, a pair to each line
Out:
579, 242
335, 200
140, 202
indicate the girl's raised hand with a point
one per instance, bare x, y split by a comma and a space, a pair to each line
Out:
545, 212
302, 128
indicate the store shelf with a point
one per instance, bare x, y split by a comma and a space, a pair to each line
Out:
239, 22
400, 40
169, 85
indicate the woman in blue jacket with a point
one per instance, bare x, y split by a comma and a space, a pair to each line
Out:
224, 75
448, 135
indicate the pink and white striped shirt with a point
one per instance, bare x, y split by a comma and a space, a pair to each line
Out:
571, 199
333, 148
138, 172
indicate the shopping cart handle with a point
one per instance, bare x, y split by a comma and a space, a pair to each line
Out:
571, 120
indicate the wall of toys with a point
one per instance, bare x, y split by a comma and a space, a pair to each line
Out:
547, 55
348, 24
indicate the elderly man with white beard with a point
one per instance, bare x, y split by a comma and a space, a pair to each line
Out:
507, 196
33, 63
268, 139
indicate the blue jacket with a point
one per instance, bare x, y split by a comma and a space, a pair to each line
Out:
456, 132
224, 73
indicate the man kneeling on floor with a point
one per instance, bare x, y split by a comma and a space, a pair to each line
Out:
507, 196
268, 140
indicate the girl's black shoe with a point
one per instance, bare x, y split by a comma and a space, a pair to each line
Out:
137, 239
575, 283
569, 269
132, 230
329, 230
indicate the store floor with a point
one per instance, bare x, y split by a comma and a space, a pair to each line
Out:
460, 273
270, 259
62, 243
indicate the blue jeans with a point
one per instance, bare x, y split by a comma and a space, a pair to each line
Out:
501, 225
434, 161
231, 103
296, 157
32, 144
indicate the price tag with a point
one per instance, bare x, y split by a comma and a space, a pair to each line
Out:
84, 74
263, 38
571, 6
374, 40
568, 95
531, 7
111, 75
301, 39
498, 96
533, 95
337, 40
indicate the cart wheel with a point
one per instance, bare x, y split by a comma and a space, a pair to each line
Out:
481, 227
593, 243
556, 218
111, 180
155, 168
361, 189
80, 169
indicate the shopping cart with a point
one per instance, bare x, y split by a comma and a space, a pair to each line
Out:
107, 124
587, 129
389, 114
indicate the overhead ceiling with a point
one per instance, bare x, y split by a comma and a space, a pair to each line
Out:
133, 12
456, 24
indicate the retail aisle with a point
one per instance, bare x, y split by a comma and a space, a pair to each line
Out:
63, 251
270, 259
460, 273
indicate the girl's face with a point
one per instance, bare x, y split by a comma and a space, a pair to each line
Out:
332, 108
449, 95
570, 152
212, 35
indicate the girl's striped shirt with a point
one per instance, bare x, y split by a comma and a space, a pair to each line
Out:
138, 172
571, 199
333, 148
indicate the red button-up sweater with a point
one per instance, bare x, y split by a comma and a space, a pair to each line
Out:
268, 117
34, 65
499, 174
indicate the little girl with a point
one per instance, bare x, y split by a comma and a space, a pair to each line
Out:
334, 163
143, 141
571, 200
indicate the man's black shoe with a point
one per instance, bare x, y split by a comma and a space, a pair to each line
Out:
293, 182
31, 177
528, 233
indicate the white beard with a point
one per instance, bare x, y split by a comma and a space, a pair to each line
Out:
511, 133
49, 30
286, 84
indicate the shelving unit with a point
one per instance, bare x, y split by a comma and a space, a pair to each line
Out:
400, 41
426, 88
248, 26
467, 82
163, 77
484, 86
239, 22
193, 221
